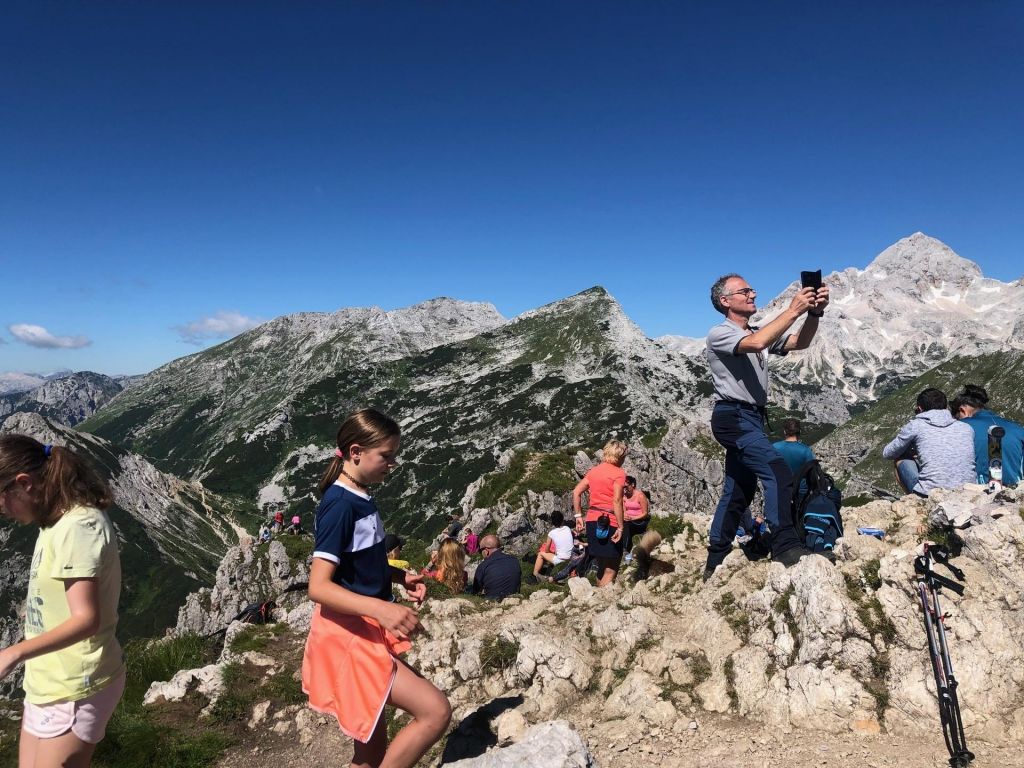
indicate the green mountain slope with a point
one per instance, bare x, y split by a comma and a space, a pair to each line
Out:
567, 375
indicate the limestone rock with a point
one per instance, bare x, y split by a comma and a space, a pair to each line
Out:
548, 745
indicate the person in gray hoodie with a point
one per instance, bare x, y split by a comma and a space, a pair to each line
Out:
933, 450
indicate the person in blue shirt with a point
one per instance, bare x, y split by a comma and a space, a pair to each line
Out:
795, 452
972, 409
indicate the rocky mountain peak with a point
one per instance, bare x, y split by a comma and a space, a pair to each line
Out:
924, 262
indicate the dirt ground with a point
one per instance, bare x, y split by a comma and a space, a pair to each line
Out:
717, 742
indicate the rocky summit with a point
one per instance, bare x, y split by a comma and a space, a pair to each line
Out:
670, 671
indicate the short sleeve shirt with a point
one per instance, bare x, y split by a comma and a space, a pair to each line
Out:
350, 533
737, 376
82, 544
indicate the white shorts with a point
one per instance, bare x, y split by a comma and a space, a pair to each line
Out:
86, 718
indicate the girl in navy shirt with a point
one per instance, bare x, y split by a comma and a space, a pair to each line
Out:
351, 667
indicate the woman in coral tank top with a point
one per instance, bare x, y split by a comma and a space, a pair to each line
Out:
605, 517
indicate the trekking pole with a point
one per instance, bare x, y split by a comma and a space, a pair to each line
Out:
929, 584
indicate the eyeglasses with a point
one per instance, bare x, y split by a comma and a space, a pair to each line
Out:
745, 291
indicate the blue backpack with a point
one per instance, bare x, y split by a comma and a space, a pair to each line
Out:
816, 515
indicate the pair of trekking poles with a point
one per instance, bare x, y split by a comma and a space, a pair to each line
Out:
929, 584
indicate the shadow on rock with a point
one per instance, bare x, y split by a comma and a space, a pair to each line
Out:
474, 736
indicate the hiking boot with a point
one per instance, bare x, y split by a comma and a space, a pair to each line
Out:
532, 579
791, 557
708, 573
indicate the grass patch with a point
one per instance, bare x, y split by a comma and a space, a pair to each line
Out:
707, 446
498, 654
872, 616
781, 606
670, 525
299, 547
652, 440
256, 637
138, 737
729, 668
734, 615
538, 472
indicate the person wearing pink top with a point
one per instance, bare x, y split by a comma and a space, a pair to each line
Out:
605, 515
472, 542
637, 508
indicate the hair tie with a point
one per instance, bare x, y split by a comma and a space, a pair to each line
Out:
47, 449
338, 453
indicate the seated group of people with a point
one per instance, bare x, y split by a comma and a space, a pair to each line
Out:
949, 444
496, 577
276, 525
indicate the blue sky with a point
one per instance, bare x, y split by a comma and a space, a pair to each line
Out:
170, 171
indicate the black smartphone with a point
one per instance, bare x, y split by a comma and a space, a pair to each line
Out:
811, 279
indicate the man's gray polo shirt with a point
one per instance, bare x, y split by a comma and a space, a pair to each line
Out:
735, 376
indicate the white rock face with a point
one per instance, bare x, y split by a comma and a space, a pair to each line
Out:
549, 745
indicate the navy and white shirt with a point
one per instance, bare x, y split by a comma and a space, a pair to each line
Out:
350, 534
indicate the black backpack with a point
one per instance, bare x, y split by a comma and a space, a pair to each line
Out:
816, 515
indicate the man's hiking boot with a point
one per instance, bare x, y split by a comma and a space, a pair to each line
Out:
708, 573
532, 579
791, 557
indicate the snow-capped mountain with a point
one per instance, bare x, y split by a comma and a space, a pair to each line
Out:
915, 305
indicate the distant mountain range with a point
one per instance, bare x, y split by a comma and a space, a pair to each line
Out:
491, 408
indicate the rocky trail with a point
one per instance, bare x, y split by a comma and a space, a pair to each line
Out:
814, 665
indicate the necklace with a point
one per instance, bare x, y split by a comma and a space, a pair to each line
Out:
358, 484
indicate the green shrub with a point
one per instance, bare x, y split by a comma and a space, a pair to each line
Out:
670, 525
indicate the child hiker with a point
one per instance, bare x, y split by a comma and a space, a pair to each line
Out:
74, 669
351, 667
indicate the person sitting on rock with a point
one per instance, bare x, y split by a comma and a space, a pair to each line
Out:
605, 515
451, 566
278, 522
296, 526
637, 511
933, 450
499, 575
558, 547
472, 542
793, 449
972, 410
264, 535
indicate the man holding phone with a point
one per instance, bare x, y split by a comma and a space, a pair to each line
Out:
737, 357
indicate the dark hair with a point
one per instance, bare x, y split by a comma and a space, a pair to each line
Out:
64, 479
366, 428
974, 396
630, 480
790, 427
954, 406
718, 290
932, 399
557, 519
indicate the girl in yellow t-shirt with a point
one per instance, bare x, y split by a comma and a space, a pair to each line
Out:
74, 671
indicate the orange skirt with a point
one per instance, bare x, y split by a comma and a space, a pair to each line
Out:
348, 669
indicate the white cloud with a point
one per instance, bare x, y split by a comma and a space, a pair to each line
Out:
221, 325
37, 336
